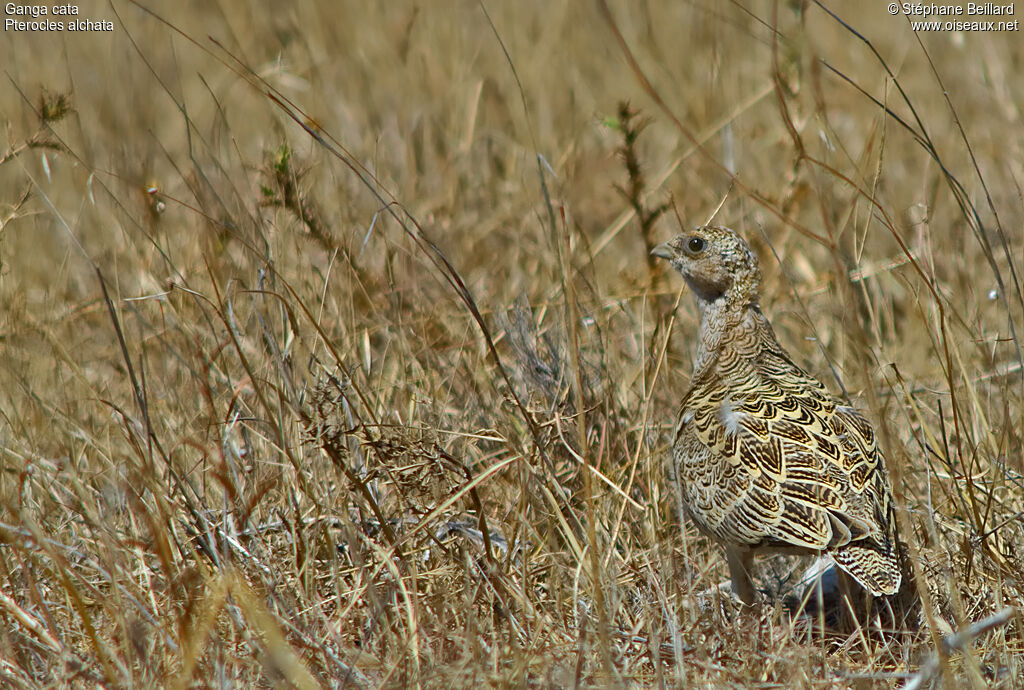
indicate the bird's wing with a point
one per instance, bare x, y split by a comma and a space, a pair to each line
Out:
805, 470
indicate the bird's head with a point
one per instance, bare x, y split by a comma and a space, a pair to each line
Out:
716, 262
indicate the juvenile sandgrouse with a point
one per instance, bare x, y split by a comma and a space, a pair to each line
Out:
767, 458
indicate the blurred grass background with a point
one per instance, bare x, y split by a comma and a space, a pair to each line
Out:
252, 434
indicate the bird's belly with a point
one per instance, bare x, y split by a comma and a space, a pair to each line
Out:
712, 490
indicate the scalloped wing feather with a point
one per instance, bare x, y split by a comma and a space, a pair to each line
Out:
804, 470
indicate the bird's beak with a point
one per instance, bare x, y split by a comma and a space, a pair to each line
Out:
663, 251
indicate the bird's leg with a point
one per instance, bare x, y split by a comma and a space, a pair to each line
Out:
740, 562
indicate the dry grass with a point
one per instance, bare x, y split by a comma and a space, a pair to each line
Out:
273, 415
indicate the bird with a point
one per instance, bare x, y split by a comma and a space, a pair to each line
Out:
769, 460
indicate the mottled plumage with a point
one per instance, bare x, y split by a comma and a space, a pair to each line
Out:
768, 459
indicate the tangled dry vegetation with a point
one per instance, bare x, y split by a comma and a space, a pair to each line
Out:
349, 387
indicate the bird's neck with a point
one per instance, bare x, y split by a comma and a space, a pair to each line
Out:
736, 326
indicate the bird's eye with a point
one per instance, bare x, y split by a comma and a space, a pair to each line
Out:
696, 245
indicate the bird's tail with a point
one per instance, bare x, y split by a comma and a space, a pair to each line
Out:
871, 563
